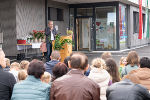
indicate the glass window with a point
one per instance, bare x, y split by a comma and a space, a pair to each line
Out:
72, 26
85, 12
106, 28
136, 22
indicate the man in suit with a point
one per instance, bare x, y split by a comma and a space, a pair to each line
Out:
50, 33
7, 80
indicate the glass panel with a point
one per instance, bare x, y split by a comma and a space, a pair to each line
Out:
106, 28
122, 26
83, 33
85, 12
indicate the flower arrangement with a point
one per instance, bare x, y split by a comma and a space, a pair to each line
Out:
38, 34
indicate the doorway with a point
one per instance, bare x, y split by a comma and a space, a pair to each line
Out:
83, 31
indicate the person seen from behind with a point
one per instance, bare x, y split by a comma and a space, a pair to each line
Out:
59, 70
100, 76
132, 63
106, 55
14, 69
7, 80
22, 75
127, 89
142, 73
55, 58
75, 85
32, 88
46, 77
112, 69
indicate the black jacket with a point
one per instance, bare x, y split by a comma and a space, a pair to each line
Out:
7, 82
48, 33
126, 90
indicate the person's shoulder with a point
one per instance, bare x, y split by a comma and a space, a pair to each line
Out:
63, 78
45, 85
19, 84
140, 87
90, 81
7, 74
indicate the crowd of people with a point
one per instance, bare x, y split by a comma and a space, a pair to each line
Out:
75, 79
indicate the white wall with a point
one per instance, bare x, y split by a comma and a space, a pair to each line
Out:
30, 15
143, 2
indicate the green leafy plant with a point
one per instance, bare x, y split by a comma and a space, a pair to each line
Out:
59, 43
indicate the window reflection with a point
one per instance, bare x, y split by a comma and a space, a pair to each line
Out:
106, 28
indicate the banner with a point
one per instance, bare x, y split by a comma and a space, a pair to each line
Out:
147, 12
140, 20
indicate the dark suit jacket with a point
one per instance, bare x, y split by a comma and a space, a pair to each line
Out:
126, 90
48, 33
7, 81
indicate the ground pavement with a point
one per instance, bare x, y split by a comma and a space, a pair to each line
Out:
143, 51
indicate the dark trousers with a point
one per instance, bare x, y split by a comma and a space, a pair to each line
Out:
49, 51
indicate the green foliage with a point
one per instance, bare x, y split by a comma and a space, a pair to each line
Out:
59, 43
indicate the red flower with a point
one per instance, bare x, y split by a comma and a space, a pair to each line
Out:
34, 31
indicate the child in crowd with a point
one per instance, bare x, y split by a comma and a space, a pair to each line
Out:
106, 55
100, 76
22, 75
7, 68
46, 77
24, 65
43, 48
123, 63
112, 69
59, 70
132, 63
14, 68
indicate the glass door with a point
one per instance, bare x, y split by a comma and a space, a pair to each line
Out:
83, 30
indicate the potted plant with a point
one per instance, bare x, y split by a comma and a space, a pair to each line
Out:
38, 35
63, 44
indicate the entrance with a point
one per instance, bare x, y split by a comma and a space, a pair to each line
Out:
83, 30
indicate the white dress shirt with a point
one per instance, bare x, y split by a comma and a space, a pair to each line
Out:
52, 36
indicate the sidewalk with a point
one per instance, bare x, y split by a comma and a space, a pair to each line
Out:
142, 52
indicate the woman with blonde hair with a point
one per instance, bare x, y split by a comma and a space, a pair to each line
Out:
100, 76
132, 63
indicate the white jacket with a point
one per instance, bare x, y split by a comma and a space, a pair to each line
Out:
101, 77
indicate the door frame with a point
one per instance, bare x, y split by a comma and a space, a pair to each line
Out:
90, 28
93, 31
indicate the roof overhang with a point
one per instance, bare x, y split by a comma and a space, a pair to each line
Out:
128, 2
90, 1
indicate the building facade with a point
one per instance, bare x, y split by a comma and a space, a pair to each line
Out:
98, 25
